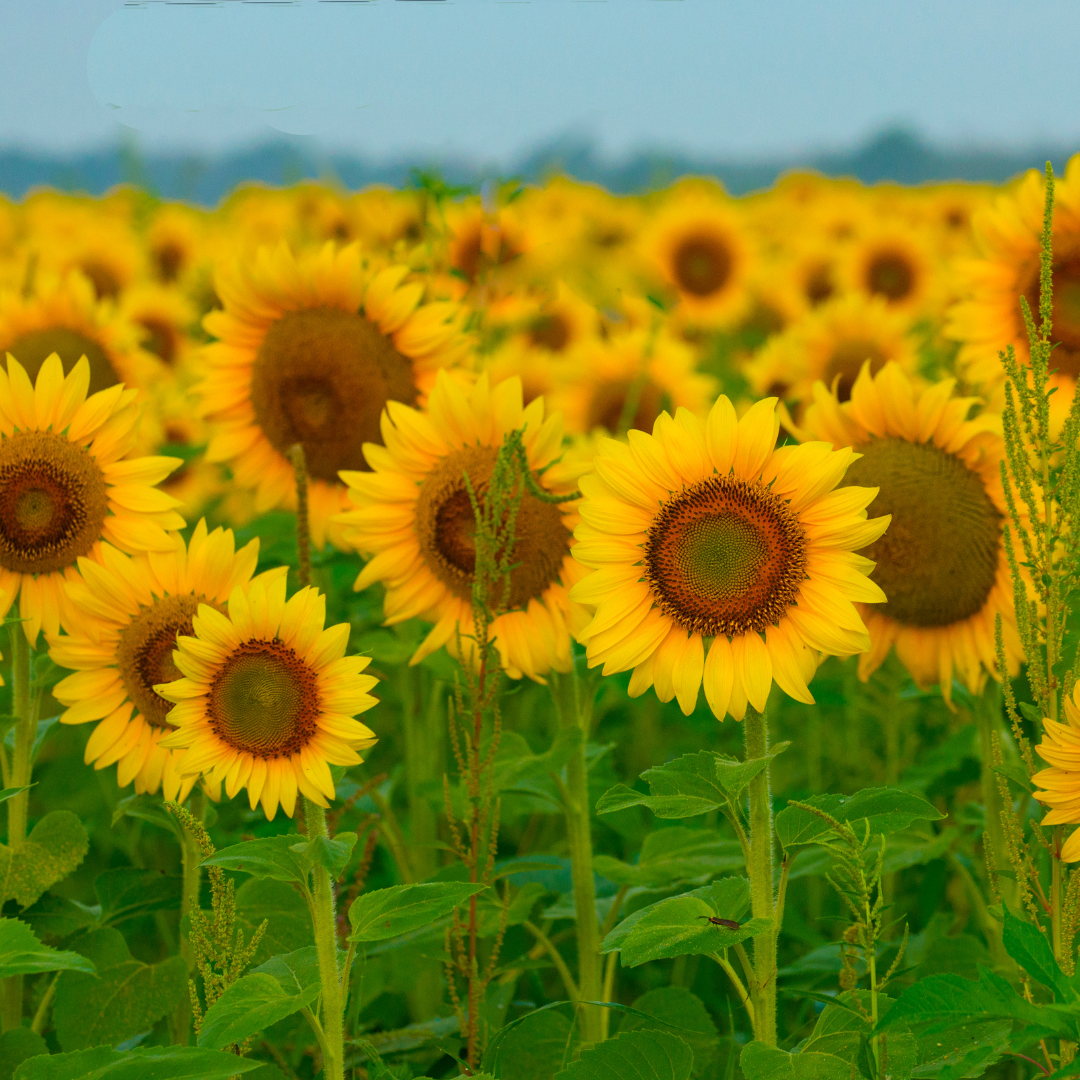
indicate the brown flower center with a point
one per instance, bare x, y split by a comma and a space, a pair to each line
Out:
938, 560
53, 502
162, 338
103, 278
725, 556
265, 700
1066, 307
550, 332
818, 285
890, 274
446, 526
144, 654
34, 347
846, 362
702, 264
168, 259
619, 406
322, 377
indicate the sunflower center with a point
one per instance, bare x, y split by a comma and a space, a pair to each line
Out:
550, 332
1065, 312
103, 278
34, 347
161, 338
891, 275
53, 502
321, 378
264, 701
846, 362
939, 558
613, 403
168, 258
819, 286
446, 526
144, 654
701, 265
725, 556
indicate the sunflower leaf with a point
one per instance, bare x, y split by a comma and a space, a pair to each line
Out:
333, 854
682, 788
650, 1055
1030, 949
22, 954
273, 857
761, 1062
734, 776
888, 810
142, 1063
388, 913
56, 846
126, 892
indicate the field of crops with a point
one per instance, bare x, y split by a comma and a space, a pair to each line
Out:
542, 635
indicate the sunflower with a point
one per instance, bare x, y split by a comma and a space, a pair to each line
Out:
718, 558
413, 515
626, 380
268, 697
63, 316
165, 316
1060, 749
942, 563
130, 613
64, 488
892, 261
174, 240
701, 249
310, 350
1007, 234
831, 345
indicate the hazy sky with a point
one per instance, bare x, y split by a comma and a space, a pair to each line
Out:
492, 78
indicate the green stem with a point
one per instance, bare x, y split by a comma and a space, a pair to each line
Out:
732, 974
987, 710
191, 858
756, 731
871, 959
18, 806
564, 690
325, 926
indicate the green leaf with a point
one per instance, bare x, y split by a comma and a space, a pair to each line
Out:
761, 1062
273, 857
941, 760
533, 1049
57, 917
679, 926
280, 987
887, 809
282, 907
387, 913
672, 855
142, 1063
681, 1013
124, 998
54, 848
11, 792
946, 1001
1017, 774
147, 808
22, 954
333, 854
16, 1046
682, 788
734, 776
1030, 949
643, 1055
126, 892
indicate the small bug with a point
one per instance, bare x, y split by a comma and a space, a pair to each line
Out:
730, 924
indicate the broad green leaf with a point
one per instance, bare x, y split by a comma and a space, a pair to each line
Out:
967, 1050
272, 857
734, 776
843, 1032
125, 893
283, 908
333, 854
54, 848
1030, 949
946, 1001
1017, 774
57, 917
946, 758
124, 998
533, 1049
761, 1062
682, 788
672, 855
387, 913
22, 954
142, 1063
280, 987
147, 808
11, 792
401, 1040
680, 1013
16, 1046
643, 1055
887, 809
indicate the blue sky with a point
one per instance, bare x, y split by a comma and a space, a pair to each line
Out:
489, 79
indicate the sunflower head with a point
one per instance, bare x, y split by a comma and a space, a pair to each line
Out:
268, 697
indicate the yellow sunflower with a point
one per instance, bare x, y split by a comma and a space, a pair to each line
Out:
268, 697
941, 564
165, 316
831, 345
65, 487
1007, 234
1060, 784
892, 261
700, 247
121, 646
310, 349
413, 515
174, 240
718, 558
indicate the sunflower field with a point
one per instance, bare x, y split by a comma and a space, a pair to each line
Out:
541, 634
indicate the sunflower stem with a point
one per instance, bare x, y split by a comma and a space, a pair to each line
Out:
191, 860
564, 689
756, 732
325, 925
303, 530
18, 807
